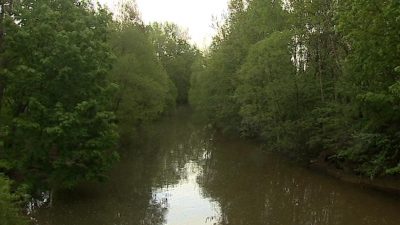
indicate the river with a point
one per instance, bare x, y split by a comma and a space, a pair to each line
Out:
185, 172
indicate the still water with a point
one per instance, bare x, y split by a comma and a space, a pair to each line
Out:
185, 172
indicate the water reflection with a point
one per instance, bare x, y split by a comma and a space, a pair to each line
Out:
187, 173
185, 201
253, 188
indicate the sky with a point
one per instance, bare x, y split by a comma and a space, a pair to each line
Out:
196, 15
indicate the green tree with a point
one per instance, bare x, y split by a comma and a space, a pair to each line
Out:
145, 91
176, 55
314, 76
247, 23
318, 56
58, 131
6, 11
370, 28
267, 92
214, 85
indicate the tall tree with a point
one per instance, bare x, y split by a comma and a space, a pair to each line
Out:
58, 131
371, 31
267, 91
145, 91
176, 55
247, 23
6, 11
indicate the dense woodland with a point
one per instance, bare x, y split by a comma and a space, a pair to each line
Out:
308, 78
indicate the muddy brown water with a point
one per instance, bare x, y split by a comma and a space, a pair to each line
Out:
187, 173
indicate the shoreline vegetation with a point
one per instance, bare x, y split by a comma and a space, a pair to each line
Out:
314, 80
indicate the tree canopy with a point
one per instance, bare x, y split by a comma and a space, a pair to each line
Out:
56, 92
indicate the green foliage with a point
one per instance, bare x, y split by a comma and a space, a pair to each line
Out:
266, 91
176, 55
307, 78
373, 59
213, 94
10, 212
217, 83
56, 94
145, 90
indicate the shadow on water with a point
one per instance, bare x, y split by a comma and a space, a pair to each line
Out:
187, 173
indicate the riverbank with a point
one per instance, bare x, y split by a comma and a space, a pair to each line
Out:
340, 170
388, 184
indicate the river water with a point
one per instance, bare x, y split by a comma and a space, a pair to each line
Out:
185, 172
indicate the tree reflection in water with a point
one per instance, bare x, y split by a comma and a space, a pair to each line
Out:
255, 188
185, 172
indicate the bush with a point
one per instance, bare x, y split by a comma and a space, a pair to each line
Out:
10, 210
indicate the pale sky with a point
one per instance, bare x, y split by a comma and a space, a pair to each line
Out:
196, 15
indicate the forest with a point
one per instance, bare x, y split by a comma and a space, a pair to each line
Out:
308, 78
311, 79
